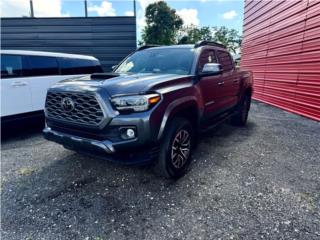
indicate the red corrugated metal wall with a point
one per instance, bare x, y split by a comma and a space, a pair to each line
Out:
281, 46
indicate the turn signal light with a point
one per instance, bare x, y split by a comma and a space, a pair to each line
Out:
154, 100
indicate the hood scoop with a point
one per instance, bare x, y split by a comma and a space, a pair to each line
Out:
103, 76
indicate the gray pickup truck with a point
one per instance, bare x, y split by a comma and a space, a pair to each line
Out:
151, 107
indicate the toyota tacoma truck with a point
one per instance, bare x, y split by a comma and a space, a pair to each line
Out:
151, 107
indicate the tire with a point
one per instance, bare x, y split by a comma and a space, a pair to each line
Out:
241, 116
173, 162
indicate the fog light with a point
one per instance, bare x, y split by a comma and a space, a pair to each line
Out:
130, 133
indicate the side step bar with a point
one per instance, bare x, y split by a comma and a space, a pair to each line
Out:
217, 121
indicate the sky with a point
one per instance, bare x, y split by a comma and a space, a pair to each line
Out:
227, 13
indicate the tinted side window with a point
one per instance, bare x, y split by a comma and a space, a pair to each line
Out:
42, 66
225, 60
66, 66
11, 66
98, 68
86, 66
207, 56
78, 66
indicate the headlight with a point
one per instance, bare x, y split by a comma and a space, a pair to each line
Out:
135, 103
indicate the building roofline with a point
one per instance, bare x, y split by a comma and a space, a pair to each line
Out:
46, 54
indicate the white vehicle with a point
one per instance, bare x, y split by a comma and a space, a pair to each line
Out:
26, 76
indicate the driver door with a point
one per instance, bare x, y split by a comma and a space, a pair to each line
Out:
210, 86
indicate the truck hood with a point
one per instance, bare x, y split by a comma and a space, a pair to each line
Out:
116, 84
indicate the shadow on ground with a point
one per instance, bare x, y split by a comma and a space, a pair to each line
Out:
21, 130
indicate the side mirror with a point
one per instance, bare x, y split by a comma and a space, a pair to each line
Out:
211, 69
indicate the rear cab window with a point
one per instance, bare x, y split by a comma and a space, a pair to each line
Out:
225, 60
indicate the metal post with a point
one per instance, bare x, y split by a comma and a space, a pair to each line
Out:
135, 18
134, 8
31, 9
85, 8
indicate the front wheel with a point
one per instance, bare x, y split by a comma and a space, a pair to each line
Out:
175, 149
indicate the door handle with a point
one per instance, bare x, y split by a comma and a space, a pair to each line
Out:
235, 81
19, 84
220, 83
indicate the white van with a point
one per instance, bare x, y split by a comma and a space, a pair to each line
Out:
26, 76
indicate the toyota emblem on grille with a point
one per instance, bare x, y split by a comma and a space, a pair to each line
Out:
67, 104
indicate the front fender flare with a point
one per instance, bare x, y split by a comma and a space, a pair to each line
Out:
173, 107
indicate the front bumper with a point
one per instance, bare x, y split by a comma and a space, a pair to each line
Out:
105, 148
78, 142
106, 139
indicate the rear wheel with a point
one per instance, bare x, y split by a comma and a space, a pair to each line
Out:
175, 149
242, 112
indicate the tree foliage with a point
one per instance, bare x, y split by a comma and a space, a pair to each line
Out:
162, 24
228, 37
193, 34
165, 27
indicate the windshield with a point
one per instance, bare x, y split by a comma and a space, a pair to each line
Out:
173, 60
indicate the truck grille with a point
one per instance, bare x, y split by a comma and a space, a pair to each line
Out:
74, 107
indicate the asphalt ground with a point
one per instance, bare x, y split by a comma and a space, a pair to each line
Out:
256, 182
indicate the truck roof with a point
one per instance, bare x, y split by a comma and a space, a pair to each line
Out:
190, 46
167, 47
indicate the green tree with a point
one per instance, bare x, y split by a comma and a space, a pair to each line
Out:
228, 37
162, 24
192, 34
